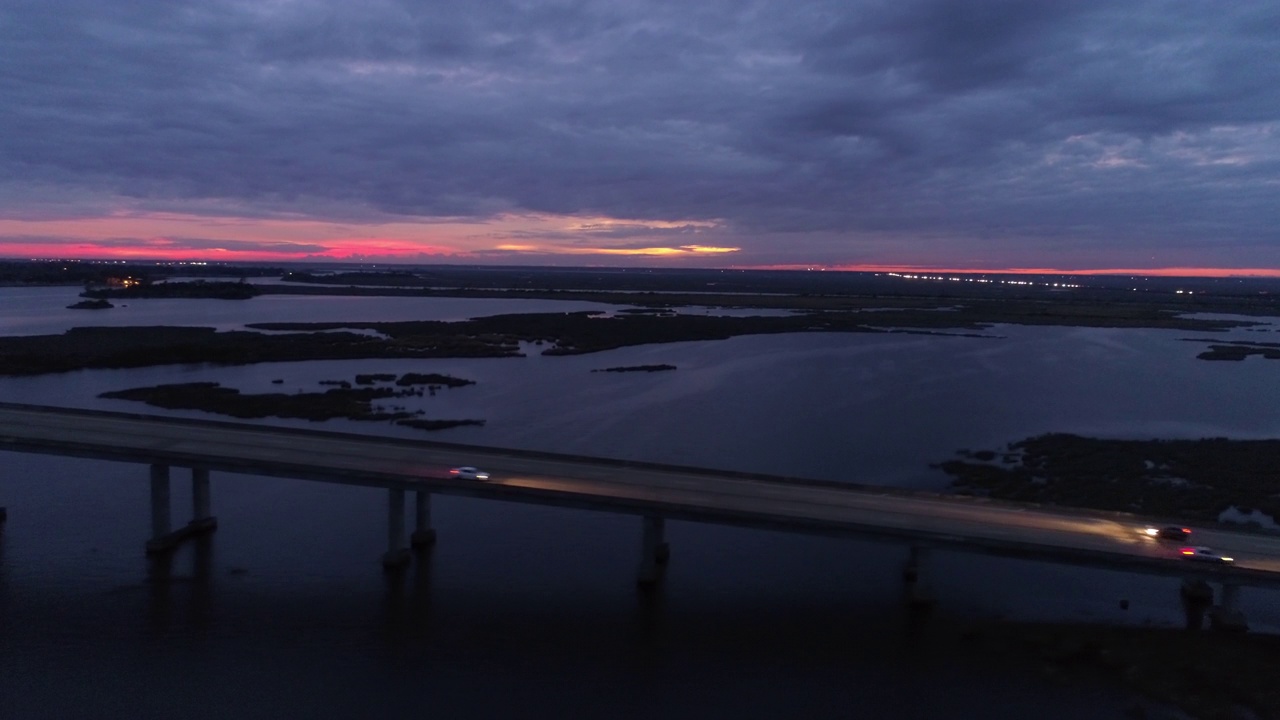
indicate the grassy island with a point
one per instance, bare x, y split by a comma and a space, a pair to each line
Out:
1192, 480
637, 368
134, 347
494, 336
90, 305
341, 401
1237, 349
191, 289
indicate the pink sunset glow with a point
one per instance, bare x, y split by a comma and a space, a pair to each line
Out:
509, 239
181, 237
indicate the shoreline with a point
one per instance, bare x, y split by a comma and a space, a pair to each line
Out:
1196, 481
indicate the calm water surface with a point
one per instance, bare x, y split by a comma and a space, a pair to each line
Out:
532, 612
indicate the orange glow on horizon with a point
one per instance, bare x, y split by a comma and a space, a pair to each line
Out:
682, 250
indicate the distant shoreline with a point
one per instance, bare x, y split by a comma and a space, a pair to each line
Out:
1185, 481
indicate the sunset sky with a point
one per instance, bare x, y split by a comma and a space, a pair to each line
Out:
949, 134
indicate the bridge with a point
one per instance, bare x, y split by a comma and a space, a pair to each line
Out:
655, 493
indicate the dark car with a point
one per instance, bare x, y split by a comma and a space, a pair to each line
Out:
1170, 532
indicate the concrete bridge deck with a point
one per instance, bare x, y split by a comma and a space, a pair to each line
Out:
1096, 539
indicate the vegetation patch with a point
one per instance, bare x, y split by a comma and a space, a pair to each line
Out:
577, 332
636, 368
432, 379
1183, 479
91, 305
193, 289
438, 424
1237, 349
132, 347
342, 401
648, 311
354, 404
375, 378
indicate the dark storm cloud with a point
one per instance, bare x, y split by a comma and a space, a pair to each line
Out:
805, 124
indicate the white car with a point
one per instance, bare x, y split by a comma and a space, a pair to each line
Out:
1204, 554
466, 472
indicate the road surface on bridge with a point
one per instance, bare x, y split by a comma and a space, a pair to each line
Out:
1076, 536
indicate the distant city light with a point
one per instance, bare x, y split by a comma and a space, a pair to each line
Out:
907, 276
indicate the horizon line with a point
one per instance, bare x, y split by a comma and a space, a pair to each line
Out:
1190, 272
1178, 271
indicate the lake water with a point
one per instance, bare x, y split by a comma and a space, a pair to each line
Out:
532, 612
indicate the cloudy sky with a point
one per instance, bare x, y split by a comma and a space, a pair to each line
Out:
956, 134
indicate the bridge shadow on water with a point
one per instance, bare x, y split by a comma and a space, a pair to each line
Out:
406, 607
4, 574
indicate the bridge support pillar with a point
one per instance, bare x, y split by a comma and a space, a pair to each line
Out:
654, 550
423, 534
397, 554
916, 586
202, 519
161, 538
1227, 615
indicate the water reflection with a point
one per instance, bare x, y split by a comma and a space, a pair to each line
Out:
166, 611
649, 625
4, 569
202, 585
160, 587
406, 607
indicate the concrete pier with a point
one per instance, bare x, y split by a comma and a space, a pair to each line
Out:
917, 589
397, 554
424, 535
163, 537
160, 529
654, 551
